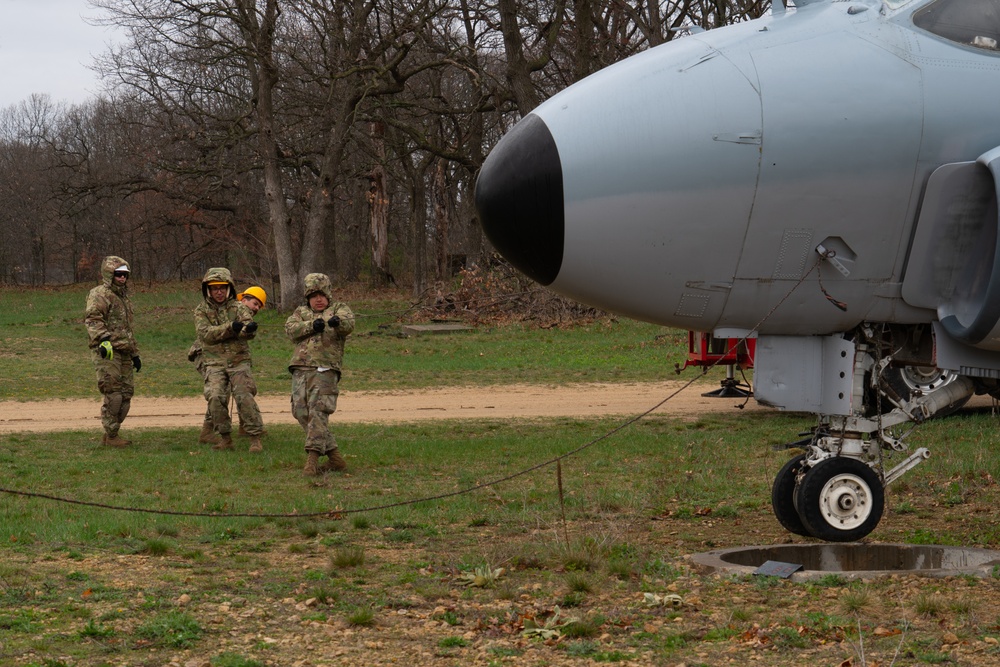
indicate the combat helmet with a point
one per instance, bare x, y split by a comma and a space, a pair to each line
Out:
318, 282
220, 276
111, 264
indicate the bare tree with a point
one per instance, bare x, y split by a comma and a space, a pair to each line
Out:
31, 248
522, 59
297, 75
378, 201
237, 131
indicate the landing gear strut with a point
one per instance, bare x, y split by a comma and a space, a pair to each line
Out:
835, 491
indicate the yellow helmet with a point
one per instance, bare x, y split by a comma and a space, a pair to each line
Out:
256, 292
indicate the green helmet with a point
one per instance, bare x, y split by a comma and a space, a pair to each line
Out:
318, 282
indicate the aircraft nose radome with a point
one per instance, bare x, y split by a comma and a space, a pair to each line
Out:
519, 196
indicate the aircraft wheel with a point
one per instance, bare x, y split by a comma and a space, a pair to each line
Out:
783, 497
840, 500
911, 381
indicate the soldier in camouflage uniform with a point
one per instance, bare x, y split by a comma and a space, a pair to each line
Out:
253, 298
224, 325
318, 330
115, 353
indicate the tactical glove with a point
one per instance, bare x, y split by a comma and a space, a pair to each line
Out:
319, 325
237, 326
251, 328
334, 321
107, 352
137, 363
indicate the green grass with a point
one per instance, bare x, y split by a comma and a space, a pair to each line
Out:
44, 353
172, 629
393, 466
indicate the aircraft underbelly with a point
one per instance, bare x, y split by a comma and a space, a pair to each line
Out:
649, 235
834, 171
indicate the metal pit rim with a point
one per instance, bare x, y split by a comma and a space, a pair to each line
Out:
854, 560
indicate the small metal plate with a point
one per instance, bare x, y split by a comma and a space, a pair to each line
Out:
773, 568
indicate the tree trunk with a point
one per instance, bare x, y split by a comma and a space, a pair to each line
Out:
354, 239
378, 201
584, 65
418, 217
264, 76
441, 221
518, 72
321, 200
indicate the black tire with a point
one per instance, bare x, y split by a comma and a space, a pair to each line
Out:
840, 500
783, 497
912, 381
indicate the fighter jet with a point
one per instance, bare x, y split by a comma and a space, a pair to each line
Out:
823, 179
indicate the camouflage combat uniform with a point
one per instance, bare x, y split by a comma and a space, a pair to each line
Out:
109, 317
208, 426
315, 365
226, 356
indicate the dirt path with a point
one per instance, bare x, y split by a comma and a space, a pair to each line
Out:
579, 400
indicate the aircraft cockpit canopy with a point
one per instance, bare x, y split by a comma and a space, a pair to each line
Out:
970, 22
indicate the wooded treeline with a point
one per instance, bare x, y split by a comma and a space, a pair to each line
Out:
280, 137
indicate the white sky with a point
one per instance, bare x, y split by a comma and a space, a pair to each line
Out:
46, 47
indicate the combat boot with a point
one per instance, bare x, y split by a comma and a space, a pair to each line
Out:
115, 441
225, 442
335, 462
255, 445
207, 435
311, 468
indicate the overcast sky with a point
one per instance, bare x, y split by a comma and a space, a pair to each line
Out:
46, 46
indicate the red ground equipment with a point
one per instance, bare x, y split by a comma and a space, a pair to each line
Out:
705, 350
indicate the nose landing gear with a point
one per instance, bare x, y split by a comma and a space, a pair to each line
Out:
836, 490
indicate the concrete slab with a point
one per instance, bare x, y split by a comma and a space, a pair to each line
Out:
421, 329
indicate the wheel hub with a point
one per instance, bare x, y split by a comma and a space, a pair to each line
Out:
845, 502
926, 380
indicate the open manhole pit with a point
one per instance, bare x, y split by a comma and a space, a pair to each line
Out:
851, 560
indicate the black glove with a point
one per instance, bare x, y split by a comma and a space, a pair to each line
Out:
251, 328
237, 326
334, 321
319, 325
137, 363
107, 352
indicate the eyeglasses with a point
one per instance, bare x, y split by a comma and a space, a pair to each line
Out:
121, 274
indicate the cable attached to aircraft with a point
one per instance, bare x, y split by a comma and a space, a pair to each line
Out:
830, 256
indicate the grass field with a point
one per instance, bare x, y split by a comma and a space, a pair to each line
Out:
43, 348
417, 557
